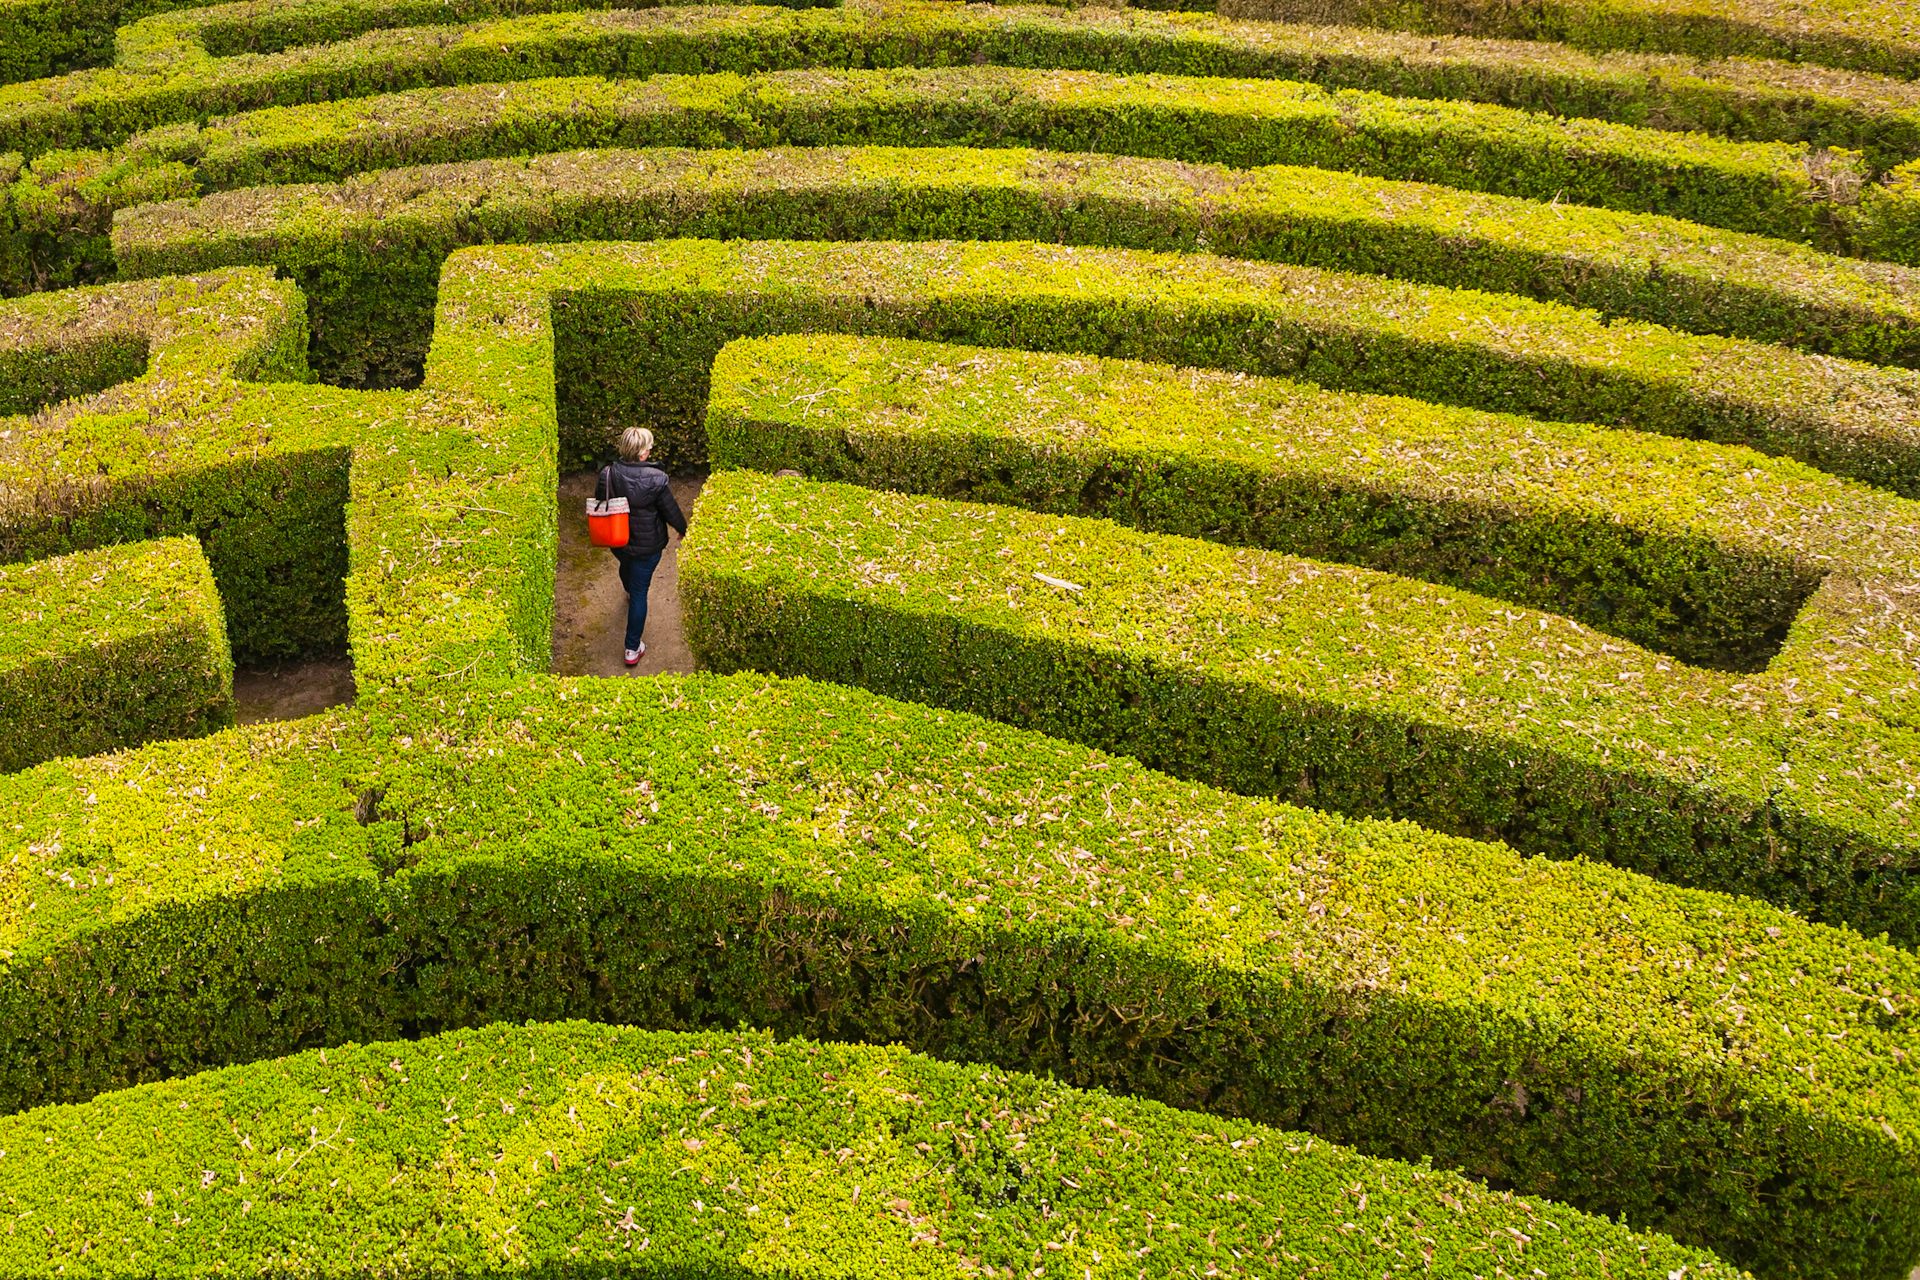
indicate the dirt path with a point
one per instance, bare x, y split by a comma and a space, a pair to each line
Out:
590, 606
291, 691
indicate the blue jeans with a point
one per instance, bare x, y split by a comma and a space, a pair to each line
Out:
636, 575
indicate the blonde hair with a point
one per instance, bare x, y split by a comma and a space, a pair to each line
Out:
635, 444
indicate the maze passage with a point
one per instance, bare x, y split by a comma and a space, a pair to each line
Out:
586, 1146
1419, 437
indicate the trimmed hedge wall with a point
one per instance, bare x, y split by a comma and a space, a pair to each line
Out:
451, 535
108, 649
447, 537
76, 342
1890, 216
577, 1148
681, 301
46, 37
368, 253
271, 520
168, 73
703, 852
148, 459
1872, 35
1334, 687
56, 346
1776, 189
1705, 552
56, 212
445, 540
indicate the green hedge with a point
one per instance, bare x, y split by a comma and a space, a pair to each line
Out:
1774, 189
594, 306
1889, 220
436, 509
60, 345
579, 1149
702, 852
1339, 688
108, 649
168, 72
46, 37
79, 341
272, 524
368, 253
56, 213
1704, 552
144, 460
1871, 35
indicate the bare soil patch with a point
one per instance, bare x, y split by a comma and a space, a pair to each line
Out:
293, 689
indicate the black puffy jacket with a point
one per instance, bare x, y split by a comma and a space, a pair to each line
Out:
650, 504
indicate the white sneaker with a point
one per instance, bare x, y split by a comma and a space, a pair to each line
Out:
634, 655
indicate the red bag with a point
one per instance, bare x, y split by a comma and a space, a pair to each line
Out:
607, 517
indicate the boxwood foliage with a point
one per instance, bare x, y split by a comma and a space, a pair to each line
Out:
45, 37
107, 649
368, 252
1773, 188
139, 461
40, 38
209, 62
1890, 216
55, 214
1340, 688
1874, 35
705, 851
634, 329
575, 1148
441, 506
74, 343
1706, 552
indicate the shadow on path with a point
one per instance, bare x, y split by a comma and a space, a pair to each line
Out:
292, 690
590, 605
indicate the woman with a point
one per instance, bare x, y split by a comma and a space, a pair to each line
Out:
651, 510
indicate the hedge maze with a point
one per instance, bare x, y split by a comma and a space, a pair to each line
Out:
1336, 692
